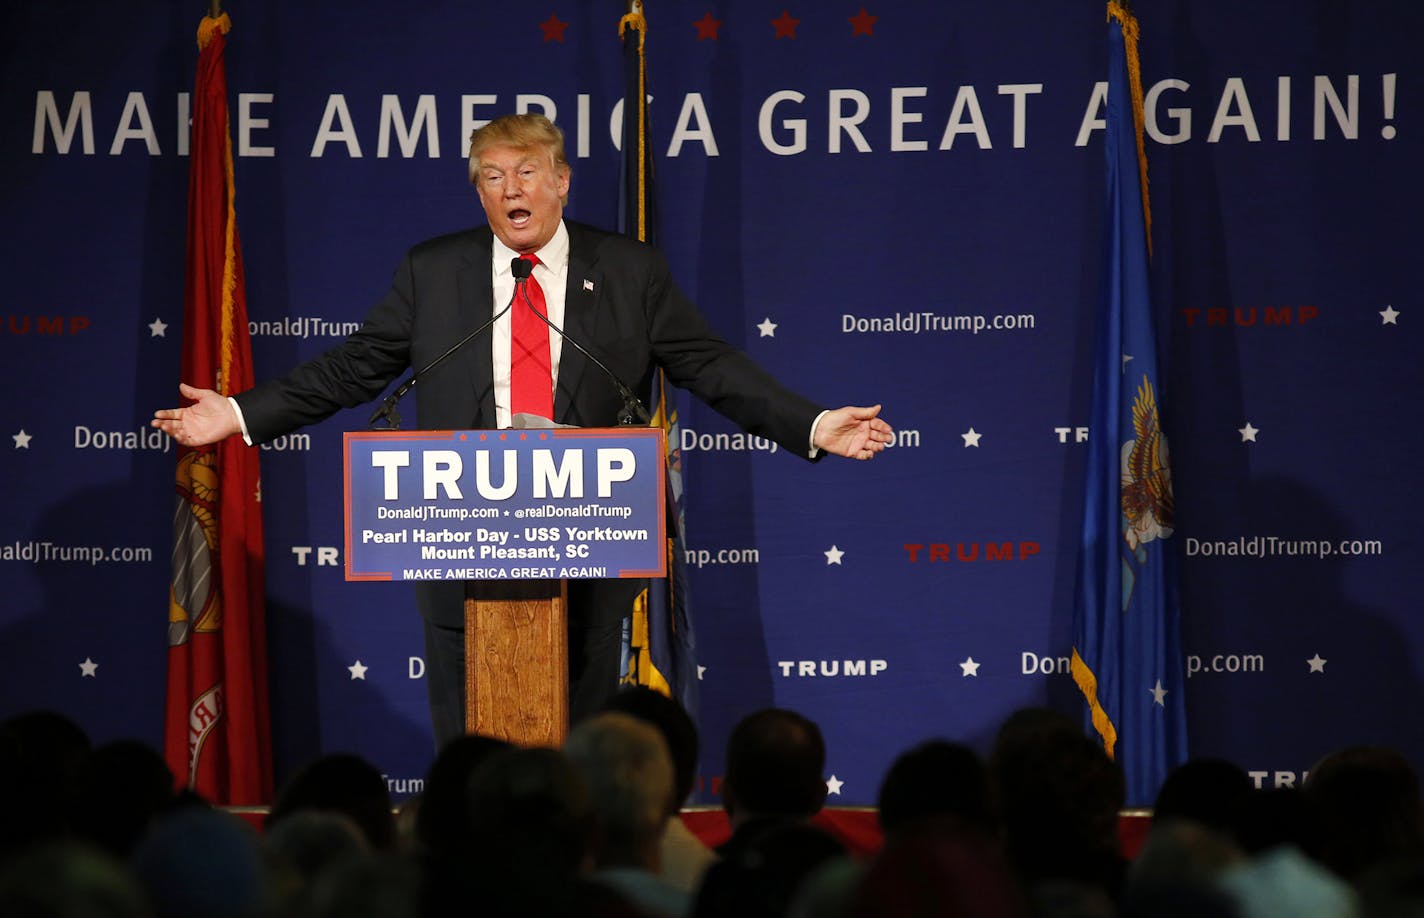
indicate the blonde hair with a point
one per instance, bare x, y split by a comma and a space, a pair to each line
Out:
523, 132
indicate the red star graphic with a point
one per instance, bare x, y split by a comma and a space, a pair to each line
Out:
553, 28
707, 27
862, 23
785, 26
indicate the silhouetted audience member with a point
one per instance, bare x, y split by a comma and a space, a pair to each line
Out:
763, 877
531, 845
40, 756
772, 785
1176, 874
938, 867
374, 885
504, 831
69, 880
529, 809
775, 772
1395, 890
341, 783
626, 765
1284, 882
937, 780
1069, 899
1368, 803
121, 789
199, 862
1208, 792
1059, 799
828, 890
442, 822
302, 847
1279, 816
683, 857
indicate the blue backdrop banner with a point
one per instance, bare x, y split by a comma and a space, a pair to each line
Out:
896, 203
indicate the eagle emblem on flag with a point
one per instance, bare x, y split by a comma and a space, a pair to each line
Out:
1147, 506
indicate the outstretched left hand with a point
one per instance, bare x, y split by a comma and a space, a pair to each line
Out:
856, 433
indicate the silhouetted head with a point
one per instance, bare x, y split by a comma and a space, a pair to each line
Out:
346, 784
776, 763
530, 813
677, 728
40, 756
202, 861
1209, 792
442, 821
1368, 802
937, 779
122, 788
1059, 796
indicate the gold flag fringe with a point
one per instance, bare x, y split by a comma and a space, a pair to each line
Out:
635, 20
1130, 34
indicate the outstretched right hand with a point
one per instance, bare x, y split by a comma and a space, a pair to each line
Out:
209, 419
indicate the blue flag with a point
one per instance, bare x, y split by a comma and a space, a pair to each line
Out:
659, 647
1127, 656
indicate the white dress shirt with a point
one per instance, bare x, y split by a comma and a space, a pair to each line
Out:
552, 273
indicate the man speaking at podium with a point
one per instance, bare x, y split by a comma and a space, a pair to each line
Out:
609, 293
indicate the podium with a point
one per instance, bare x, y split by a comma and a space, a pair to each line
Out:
513, 514
517, 661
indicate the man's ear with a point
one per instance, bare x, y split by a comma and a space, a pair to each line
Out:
821, 792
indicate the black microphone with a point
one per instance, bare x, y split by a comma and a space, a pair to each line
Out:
387, 411
632, 405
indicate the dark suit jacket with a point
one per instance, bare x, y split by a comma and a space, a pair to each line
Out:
621, 303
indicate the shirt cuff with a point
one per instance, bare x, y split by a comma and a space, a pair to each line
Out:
812, 453
247, 438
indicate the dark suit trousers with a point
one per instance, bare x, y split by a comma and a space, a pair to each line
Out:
596, 611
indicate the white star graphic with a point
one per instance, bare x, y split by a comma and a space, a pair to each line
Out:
22, 440
767, 328
1317, 665
971, 438
89, 668
358, 671
833, 785
701, 671
1158, 693
969, 667
1388, 315
1248, 433
156, 329
834, 555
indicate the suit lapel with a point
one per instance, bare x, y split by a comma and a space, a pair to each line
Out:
476, 292
581, 296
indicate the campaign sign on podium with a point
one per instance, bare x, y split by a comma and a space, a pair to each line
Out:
563, 503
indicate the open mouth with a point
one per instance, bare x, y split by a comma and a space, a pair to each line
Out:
519, 218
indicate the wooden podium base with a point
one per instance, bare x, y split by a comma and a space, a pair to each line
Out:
516, 661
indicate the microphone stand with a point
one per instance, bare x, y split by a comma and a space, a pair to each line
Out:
387, 411
633, 409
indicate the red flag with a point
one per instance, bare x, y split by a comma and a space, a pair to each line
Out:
217, 732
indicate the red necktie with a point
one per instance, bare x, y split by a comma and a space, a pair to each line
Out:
531, 379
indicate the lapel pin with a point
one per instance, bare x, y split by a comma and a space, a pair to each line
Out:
587, 284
